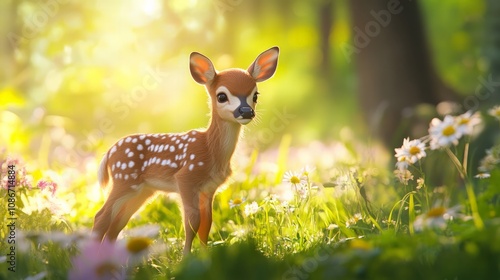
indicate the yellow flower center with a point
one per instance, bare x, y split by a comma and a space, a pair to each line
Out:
463, 121
294, 180
106, 268
449, 130
436, 212
138, 244
360, 244
414, 150
237, 201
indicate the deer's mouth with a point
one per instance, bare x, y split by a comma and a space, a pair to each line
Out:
243, 121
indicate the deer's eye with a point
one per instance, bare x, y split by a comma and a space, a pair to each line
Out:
221, 97
255, 97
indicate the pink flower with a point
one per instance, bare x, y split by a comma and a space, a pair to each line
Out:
22, 178
47, 184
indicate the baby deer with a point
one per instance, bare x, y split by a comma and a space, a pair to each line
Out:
193, 164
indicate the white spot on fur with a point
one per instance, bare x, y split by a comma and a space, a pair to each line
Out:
147, 142
124, 166
131, 164
131, 154
191, 166
191, 157
120, 142
172, 149
128, 139
140, 147
113, 149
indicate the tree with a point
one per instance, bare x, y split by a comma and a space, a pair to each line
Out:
394, 66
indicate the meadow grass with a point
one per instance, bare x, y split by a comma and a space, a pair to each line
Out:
323, 211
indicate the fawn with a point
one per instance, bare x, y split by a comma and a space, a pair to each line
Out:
193, 164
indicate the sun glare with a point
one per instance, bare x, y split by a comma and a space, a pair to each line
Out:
152, 8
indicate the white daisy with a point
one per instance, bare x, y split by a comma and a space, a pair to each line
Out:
251, 208
483, 175
411, 151
467, 121
437, 217
443, 133
495, 112
307, 170
294, 178
402, 163
490, 161
236, 202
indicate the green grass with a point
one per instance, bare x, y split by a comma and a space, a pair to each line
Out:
349, 219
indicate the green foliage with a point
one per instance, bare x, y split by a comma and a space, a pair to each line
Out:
295, 228
77, 83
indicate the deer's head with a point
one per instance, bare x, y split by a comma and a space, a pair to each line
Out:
233, 92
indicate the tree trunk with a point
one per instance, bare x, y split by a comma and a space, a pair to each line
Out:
325, 27
394, 67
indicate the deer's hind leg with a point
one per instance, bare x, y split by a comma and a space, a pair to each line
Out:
121, 204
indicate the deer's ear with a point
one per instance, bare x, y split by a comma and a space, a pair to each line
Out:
201, 68
264, 65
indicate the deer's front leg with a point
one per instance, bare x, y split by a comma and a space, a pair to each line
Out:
205, 205
190, 204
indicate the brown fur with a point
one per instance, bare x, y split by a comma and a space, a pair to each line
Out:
193, 164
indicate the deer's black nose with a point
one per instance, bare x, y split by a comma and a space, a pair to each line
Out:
246, 112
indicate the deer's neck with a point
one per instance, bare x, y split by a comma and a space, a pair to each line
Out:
222, 137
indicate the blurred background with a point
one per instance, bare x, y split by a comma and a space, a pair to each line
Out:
78, 75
